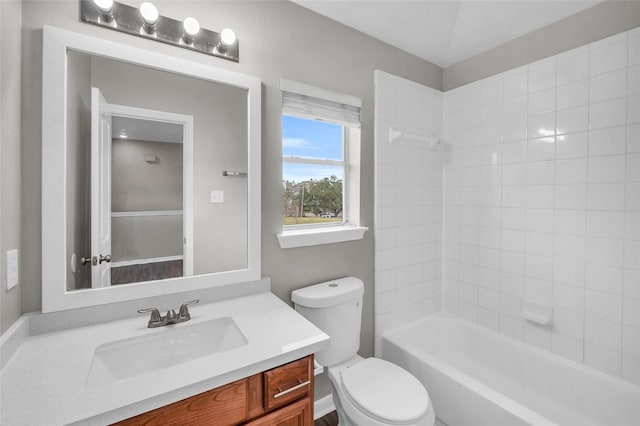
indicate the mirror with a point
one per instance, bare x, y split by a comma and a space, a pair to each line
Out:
150, 173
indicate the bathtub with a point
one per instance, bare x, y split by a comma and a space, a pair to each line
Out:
475, 376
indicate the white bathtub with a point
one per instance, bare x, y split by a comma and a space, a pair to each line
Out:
478, 377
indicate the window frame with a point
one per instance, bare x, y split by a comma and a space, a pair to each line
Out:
349, 228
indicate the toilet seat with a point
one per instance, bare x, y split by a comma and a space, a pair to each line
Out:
385, 391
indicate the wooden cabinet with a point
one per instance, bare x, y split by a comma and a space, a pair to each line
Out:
296, 414
282, 396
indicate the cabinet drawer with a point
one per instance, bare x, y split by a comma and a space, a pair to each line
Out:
288, 382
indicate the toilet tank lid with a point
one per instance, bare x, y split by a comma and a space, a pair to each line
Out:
329, 293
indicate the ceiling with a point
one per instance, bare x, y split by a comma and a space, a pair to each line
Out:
139, 129
446, 31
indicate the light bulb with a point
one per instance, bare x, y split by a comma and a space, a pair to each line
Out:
227, 36
191, 26
104, 5
149, 13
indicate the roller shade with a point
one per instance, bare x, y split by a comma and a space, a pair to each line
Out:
304, 101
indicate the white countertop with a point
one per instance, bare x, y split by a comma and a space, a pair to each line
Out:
44, 382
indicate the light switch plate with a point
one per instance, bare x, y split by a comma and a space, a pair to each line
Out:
11, 262
217, 196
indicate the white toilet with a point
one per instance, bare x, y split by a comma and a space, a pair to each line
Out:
366, 392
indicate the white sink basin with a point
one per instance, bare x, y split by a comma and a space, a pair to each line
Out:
162, 348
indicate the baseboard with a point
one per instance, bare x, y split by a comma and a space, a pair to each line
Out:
323, 406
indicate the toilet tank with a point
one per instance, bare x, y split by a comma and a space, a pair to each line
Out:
335, 307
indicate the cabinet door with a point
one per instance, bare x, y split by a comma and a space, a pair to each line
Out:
222, 406
296, 414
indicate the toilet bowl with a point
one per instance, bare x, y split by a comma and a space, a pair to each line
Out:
376, 392
366, 391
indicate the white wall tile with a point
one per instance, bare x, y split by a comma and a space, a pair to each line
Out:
542, 101
573, 65
608, 113
572, 196
609, 141
608, 86
606, 224
634, 48
515, 84
604, 306
541, 149
606, 196
602, 332
605, 251
542, 199
569, 298
633, 167
567, 347
542, 74
608, 169
573, 94
572, 222
631, 312
603, 359
573, 146
543, 125
608, 58
631, 341
571, 171
633, 80
631, 368
541, 172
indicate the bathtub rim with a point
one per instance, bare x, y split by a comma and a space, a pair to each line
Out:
520, 344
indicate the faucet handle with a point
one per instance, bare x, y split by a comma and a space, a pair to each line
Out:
183, 313
155, 319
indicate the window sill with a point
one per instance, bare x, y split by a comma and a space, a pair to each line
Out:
317, 236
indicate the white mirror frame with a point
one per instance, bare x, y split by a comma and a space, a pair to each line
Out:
55, 297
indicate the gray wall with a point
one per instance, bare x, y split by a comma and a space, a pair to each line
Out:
603, 20
137, 185
10, 140
141, 186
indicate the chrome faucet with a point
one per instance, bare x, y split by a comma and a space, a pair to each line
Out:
171, 317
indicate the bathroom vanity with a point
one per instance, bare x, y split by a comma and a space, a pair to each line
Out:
249, 361
284, 394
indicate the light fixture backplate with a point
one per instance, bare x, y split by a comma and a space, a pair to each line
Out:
128, 19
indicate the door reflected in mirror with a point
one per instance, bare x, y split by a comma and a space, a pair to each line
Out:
146, 196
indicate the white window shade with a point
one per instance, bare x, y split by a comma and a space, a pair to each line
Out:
300, 100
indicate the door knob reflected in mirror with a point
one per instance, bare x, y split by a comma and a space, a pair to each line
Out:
106, 258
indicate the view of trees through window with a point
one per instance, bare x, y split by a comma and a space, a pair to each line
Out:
312, 171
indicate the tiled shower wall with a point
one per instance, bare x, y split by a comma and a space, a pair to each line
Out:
408, 203
542, 202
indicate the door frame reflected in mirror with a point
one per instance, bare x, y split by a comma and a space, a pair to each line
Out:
55, 296
101, 215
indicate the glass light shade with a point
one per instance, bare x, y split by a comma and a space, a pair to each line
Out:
149, 13
227, 36
104, 5
191, 26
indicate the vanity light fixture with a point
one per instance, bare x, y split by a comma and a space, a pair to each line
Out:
227, 38
149, 16
106, 10
191, 29
147, 22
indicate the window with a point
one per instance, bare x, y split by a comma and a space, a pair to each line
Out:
313, 172
320, 166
